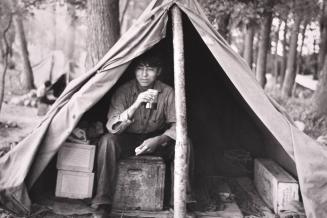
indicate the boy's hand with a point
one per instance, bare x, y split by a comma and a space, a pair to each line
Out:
148, 146
144, 97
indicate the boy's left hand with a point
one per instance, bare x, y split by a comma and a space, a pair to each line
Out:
148, 146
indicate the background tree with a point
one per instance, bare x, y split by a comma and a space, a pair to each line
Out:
219, 13
290, 72
248, 19
323, 36
6, 20
303, 29
285, 52
275, 63
320, 95
27, 74
264, 43
279, 66
72, 7
301, 10
103, 28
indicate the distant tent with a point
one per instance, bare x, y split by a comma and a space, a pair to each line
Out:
226, 109
49, 68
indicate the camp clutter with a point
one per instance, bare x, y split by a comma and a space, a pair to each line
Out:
264, 189
75, 167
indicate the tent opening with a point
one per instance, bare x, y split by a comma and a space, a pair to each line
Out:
219, 119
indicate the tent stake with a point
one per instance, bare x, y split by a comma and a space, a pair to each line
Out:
181, 165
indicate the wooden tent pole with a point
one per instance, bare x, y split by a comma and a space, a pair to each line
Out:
181, 165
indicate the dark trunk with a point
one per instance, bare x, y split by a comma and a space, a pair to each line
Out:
71, 41
299, 67
27, 76
320, 95
223, 26
54, 39
103, 28
323, 36
4, 60
248, 44
275, 57
285, 51
291, 60
264, 47
315, 65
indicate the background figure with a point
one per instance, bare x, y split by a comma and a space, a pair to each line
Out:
45, 98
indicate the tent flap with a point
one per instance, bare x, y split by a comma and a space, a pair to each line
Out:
222, 95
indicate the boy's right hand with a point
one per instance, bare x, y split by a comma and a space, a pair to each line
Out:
144, 97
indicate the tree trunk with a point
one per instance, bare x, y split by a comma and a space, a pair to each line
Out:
3, 71
320, 95
299, 67
103, 28
70, 48
223, 24
315, 63
255, 50
4, 60
264, 46
275, 57
285, 51
54, 39
291, 60
323, 37
248, 44
27, 76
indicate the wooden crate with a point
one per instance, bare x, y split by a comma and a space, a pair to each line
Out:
76, 185
140, 184
76, 157
275, 186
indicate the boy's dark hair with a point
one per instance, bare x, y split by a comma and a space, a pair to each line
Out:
148, 59
47, 83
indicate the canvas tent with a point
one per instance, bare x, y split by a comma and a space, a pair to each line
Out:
226, 108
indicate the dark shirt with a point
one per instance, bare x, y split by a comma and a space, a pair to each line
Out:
144, 120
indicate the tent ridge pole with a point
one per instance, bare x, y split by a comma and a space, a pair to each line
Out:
181, 165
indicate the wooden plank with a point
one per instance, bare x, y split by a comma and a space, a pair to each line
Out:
248, 199
230, 210
306, 81
140, 213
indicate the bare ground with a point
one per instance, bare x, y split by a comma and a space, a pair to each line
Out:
16, 122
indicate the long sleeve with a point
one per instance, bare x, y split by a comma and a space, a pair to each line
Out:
118, 119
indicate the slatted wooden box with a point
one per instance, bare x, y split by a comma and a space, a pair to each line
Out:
275, 186
76, 157
75, 185
140, 184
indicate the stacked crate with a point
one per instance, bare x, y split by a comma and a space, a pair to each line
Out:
75, 171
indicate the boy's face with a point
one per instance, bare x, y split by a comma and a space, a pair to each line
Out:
146, 75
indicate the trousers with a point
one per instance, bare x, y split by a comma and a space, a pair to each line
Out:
110, 149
